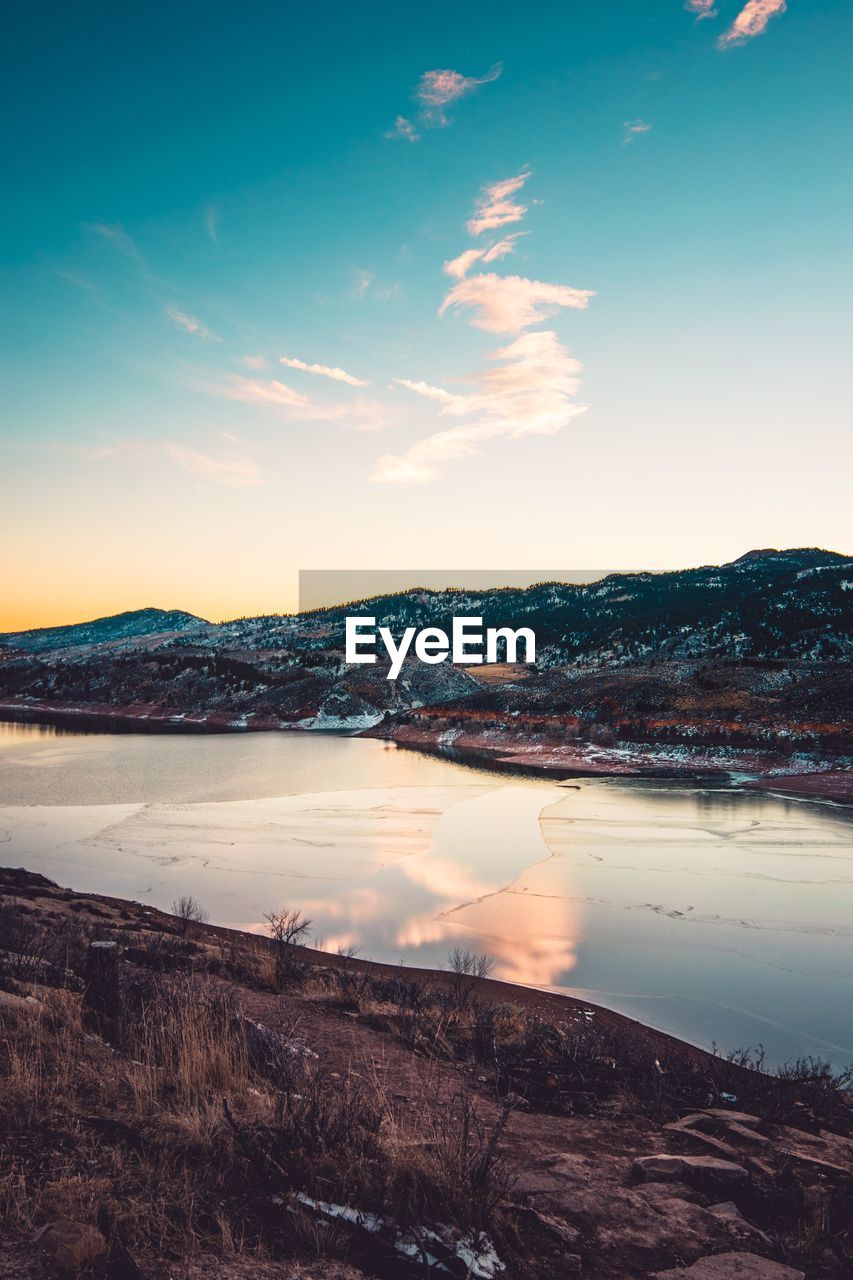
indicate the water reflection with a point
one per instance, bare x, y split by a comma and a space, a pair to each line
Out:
715, 914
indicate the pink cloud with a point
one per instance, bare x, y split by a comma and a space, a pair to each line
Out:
250, 391
529, 392
507, 304
751, 21
459, 267
495, 208
360, 415
439, 89
324, 371
503, 247
232, 471
702, 8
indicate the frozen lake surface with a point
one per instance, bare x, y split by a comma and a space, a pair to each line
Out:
717, 915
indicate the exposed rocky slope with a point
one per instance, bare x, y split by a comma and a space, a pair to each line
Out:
183, 1100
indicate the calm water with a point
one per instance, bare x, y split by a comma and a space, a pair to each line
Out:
717, 915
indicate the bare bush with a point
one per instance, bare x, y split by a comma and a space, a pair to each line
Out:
468, 969
189, 911
287, 929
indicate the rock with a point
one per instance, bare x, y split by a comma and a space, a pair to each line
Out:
731, 1266
747, 1137
19, 1004
727, 1124
739, 1117
695, 1170
705, 1140
729, 1213
70, 1246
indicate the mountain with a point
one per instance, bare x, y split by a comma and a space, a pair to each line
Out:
766, 604
132, 625
758, 649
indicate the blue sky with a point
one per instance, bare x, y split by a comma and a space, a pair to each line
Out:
649, 370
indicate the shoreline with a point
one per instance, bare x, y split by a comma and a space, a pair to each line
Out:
755, 769
171, 1061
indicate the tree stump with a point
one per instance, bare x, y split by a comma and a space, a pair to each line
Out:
101, 994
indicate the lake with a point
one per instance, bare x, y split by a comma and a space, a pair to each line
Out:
717, 915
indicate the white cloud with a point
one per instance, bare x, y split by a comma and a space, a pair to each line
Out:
635, 129
528, 393
191, 324
751, 21
324, 371
507, 304
403, 128
495, 208
211, 222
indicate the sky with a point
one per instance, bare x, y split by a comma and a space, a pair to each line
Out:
291, 287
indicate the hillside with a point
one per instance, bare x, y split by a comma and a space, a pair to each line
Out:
755, 656
132, 625
184, 1100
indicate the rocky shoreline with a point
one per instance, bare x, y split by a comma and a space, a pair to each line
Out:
819, 777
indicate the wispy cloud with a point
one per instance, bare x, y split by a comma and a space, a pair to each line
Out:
459, 267
239, 470
190, 324
702, 8
403, 128
324, 371
211, 222
364, 284
251, 391
361, 282
358, 415
436, 92
254, 362
528, 393
751, 21
117, 236
531, 387
440, 89
634, 129
496, 208
507, 304
80, 281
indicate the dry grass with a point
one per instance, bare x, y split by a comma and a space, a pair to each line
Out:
182, 1130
